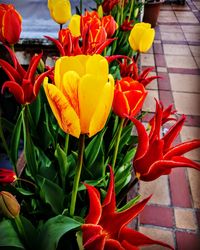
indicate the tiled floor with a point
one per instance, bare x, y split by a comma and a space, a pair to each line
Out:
173, 214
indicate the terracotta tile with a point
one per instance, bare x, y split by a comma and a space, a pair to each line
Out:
185, 219
149, 104
191, 28
175, 61
194, 37
190, 105
158, 49
194, 179
163, 82
189, 133
150, 216
170, 36
159, 188
176, 49
166, 97
157, 234
147, 60
195, 50
187, 241
179, 82
179, 188
160, 60
192, 120
170, 28
184, 71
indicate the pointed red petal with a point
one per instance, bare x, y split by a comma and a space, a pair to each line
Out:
95, 205
30, 74
143, 139
103, 46
113, 245
10, 71
146, 81
138, 239
39, 81
15, 89
182, 148
187, 162
120, 104
58, 45
156, 122
173, 132
109, 203
115, 57
144, 74
128, 246
90, 232
12, 55
96, 242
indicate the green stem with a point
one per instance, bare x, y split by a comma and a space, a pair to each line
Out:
117, 142
66, 143
12, 47
122, 11
21, 229
61, 25
81, 6
131, 9
77, 173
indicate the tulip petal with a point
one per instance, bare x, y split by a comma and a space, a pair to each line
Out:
138, 239
61, 11
90, 231
58, 45
146, 40
103, 108
120, 104
98, 66
95, 205
74, 25
187, 162
128, 246
89, 93
64, 113
67, 63
10, 71
173, 132
30, 74
111, 244
182, 148
15, 89
143, 139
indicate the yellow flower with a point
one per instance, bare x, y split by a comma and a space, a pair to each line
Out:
60, 10
141, 37
74, 25
9, 206
82, 96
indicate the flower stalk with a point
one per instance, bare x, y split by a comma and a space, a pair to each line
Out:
77, 173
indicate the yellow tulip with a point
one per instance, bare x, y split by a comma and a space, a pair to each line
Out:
141, 37
74, 25
60, 10
82, 96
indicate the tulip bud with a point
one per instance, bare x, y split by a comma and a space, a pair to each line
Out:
41, 66
74, 25
60, 10
9, 206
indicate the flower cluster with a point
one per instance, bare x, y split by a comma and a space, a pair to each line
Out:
75, 119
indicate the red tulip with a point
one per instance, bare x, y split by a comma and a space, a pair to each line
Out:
155, 155
7, 176
129, 97
108, 5
24, 85
108, 22
105, 228
10, 24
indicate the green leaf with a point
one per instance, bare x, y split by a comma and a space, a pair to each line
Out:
129, 204
53, 230
16, 138
52, 194
128, 157
62, 160
92, 150
24, 192
9, 237
35, 109
7, 124
126, 137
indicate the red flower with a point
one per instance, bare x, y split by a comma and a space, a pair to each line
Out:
105, 228
156, 156
108, 5
127, 25
7, 176
129, 97
24, 85
108, 22
10, 24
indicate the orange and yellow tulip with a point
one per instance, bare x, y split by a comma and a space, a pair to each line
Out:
141, 37
82, 96
10, 24
60, 10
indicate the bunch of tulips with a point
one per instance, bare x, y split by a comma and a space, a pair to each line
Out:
74, 122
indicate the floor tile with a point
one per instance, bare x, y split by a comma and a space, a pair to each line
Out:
147, 60
194, 177
176, 49
160, 194
190, 133
187, 241
185, 219
175, 61
170, 28
157, 234
185, 83
195, 50
167, 19
192, 37
197, 4
171, 36
186, 17
197, 59
149, 103
161, 69
190, 28
187, 103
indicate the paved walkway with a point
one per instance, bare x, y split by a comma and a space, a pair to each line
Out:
173, 214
